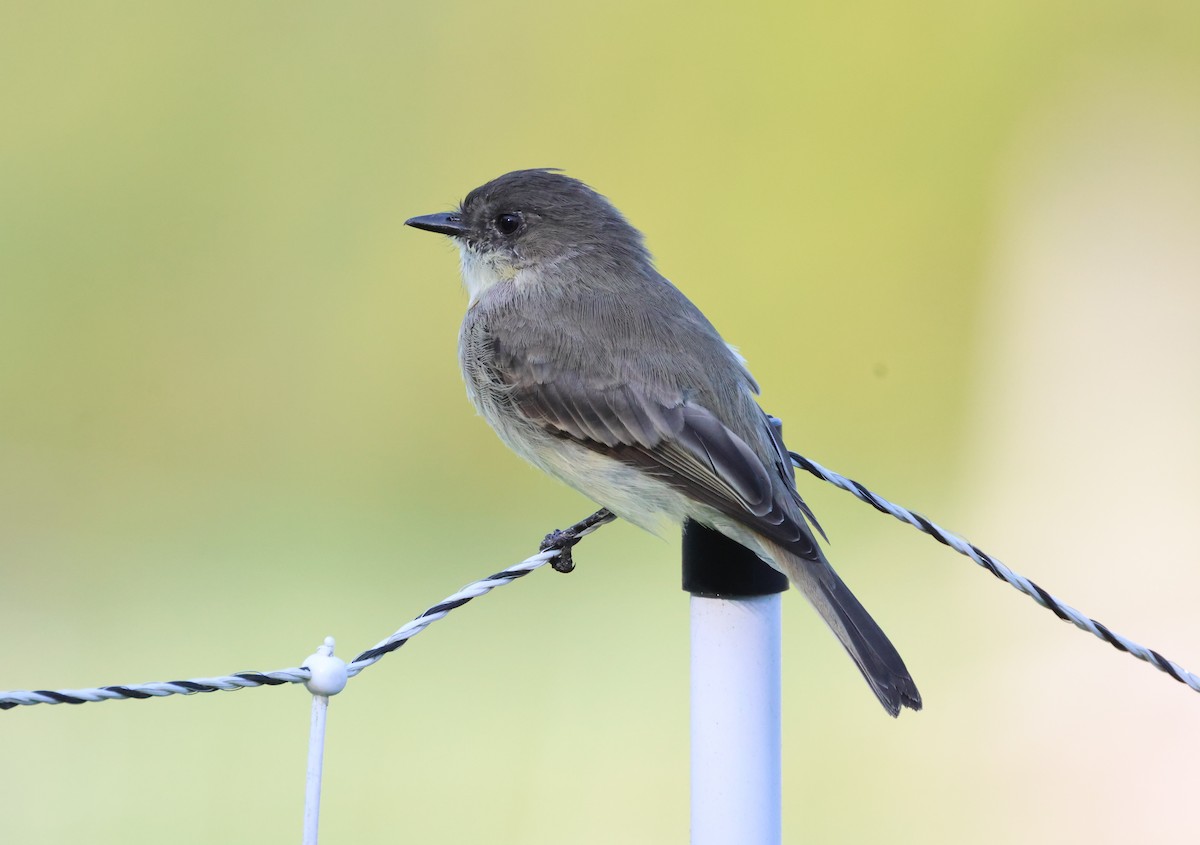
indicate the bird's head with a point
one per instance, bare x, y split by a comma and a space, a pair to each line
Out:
530, 221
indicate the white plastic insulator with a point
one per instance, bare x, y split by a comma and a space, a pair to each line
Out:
329, 675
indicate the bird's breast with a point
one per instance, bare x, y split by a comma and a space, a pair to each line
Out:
489, 394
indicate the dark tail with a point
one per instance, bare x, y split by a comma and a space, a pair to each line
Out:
862, 638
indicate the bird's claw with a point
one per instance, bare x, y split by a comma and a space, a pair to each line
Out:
561, 541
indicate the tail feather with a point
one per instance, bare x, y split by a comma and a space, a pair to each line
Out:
859, 634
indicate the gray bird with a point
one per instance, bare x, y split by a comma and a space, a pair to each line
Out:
596, 369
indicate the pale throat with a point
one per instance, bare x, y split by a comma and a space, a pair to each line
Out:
482, 271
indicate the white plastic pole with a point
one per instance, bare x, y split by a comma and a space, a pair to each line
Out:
328, 676
736, 778
316, 763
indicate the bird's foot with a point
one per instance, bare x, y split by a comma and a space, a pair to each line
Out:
564, 539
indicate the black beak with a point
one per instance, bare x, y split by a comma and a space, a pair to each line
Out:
446, 223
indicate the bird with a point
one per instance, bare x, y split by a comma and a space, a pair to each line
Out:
596, 369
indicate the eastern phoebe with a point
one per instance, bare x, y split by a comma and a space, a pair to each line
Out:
596, 369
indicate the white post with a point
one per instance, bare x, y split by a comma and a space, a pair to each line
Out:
316, 764
327, 676
736, 779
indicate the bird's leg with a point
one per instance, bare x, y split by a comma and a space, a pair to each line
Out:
564, 539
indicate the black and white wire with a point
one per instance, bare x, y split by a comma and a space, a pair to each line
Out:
554, 548
557, 544
557, 550
1019, 582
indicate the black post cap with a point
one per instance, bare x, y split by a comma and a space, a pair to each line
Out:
716, 567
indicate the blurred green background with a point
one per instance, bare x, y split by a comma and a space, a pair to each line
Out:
957, 243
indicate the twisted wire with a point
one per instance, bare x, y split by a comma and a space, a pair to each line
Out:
1020, 582
557, 550
553, 549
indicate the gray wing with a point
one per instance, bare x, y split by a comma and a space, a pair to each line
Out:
664, 433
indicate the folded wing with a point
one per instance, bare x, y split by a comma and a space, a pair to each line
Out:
664, 433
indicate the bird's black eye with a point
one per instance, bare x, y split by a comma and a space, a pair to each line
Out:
508, 223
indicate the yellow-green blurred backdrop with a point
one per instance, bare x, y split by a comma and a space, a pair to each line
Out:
957, 243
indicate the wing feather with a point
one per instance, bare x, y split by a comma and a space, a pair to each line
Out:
674, 439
